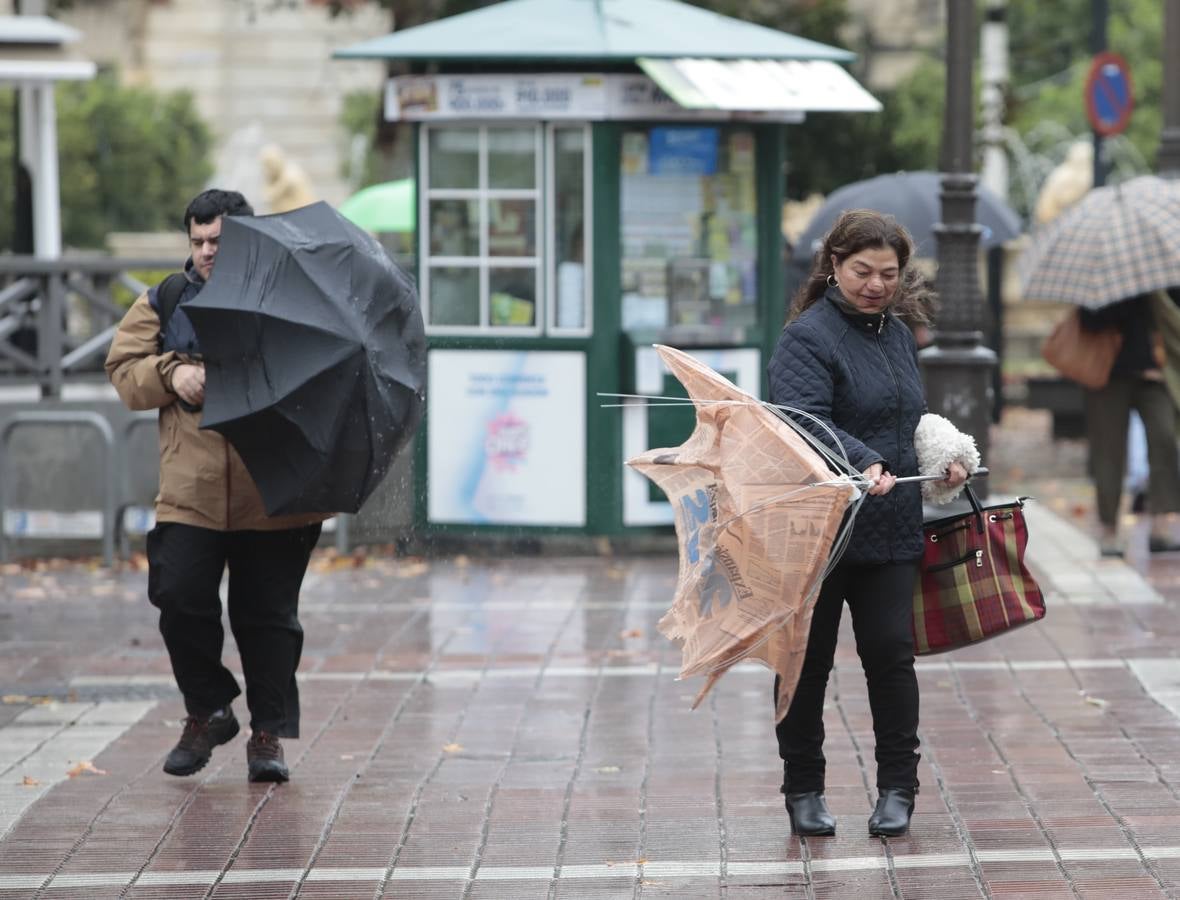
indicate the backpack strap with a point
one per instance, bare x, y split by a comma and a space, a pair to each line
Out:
168, 295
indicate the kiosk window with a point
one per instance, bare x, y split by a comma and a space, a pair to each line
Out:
454, 153
503, 243
570, 214
689, 213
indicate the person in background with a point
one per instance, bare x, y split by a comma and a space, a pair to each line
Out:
1136, 383
847, 357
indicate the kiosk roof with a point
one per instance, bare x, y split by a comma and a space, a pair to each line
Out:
590, 30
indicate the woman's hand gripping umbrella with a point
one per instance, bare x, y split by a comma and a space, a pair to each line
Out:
760, 518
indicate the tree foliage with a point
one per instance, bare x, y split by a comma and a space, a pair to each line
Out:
1134, 30
130, 159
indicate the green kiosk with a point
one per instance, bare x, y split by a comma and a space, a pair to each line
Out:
594, 177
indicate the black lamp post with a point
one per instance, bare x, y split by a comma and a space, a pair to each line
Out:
958, 367
1168, 161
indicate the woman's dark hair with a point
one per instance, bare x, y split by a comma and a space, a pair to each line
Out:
208, 205
854, 231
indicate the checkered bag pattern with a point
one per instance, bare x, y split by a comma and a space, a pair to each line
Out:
1118, 241
973, 583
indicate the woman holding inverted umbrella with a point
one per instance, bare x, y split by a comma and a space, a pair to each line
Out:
847, 358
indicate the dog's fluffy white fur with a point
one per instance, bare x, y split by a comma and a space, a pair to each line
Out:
939, 443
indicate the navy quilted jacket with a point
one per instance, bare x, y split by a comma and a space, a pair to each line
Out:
859, 374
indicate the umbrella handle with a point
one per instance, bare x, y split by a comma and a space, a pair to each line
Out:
981, 472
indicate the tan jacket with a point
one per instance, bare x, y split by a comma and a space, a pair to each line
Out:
203, 481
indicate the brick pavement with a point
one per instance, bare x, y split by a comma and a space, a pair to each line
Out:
513, 729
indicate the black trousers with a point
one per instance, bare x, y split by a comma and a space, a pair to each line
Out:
881, 600
266, 569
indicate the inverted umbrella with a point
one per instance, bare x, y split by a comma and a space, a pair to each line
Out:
1118, 241
760, 519
388, 206
914, 199
315, 357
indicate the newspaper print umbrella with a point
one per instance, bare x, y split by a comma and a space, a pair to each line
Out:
760, 518
1116, 242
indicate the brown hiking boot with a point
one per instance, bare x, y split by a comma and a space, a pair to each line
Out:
201, 734
264, 758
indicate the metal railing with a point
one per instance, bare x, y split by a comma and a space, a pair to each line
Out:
57, 320
57, 316
109, 485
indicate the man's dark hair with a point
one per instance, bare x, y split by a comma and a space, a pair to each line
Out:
208, 205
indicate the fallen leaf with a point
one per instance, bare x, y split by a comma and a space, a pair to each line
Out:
85, 766
1096, 701
412, 570
30, 781
452, 748
17, 699
632, 633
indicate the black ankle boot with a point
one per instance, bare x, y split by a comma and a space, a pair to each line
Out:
809, 814
891, 818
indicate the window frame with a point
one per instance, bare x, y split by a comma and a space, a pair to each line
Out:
587, 327
544, 263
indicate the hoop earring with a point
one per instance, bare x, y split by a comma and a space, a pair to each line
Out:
832, 282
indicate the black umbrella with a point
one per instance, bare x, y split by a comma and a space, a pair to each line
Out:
315, 357
913, 199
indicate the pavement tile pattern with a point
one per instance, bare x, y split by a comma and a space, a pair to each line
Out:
514, 729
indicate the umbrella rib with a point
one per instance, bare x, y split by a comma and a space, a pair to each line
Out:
842, 461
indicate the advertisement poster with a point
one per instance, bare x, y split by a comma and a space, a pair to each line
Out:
683, 151
506, 441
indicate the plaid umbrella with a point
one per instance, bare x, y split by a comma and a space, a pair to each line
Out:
1117, 242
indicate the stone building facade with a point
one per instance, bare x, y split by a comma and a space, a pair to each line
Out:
891, 37
260, 71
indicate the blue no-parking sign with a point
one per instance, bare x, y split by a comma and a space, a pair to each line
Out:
1109, 99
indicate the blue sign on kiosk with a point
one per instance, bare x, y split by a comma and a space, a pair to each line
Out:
679, 150
1109, 99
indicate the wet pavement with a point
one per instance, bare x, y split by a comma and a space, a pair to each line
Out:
514, 729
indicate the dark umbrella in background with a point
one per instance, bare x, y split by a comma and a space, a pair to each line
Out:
913, 198
315, 357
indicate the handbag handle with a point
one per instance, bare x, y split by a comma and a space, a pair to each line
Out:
976, 507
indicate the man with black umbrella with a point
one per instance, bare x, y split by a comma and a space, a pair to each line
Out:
210, 516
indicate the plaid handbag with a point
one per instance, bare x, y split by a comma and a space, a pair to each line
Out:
973, 582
